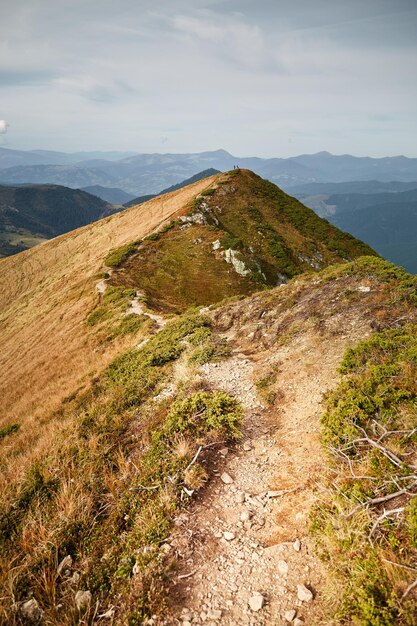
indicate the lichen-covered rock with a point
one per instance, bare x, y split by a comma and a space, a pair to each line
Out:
82, 600
31, 612
231, 256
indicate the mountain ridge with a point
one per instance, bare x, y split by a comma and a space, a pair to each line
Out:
144, 174
164, 467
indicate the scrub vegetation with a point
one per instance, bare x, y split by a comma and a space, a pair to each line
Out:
107, 492
366, 524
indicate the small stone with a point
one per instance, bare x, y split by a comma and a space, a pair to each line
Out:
224, 451
274, 494
228, 535
226, 478
245, 516
304, 594
282, 567
218, 534
65, 565
31, 611
256, 602
289, 615
82, 600
165, 548
75, 578
298, 621
186, 623
297, 545
247, 446
108, 614
240, 497
215, 614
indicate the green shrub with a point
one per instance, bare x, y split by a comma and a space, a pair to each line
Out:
369, 425
99, 315
118, 256
130, 325
202, 355
9, 430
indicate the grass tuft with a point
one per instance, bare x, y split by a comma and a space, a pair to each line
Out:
9, 430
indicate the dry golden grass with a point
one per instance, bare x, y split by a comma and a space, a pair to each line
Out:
45, 294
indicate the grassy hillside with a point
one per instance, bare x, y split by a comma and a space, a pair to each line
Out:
32, 213
122, 460
110, 429
241, 235
46, 294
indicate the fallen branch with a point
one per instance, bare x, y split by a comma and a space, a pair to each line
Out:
407, 567
182, 576
408, 590
381, 519
339, 453
379, 500
143, 488
387, 453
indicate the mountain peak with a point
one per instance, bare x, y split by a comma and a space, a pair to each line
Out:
239, 235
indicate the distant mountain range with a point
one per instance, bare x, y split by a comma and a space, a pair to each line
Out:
188, 181
144, 174
32, 214
382, 214
114, 195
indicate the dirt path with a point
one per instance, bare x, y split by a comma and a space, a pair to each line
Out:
245, 554
137, 307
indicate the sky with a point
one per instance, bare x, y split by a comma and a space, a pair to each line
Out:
255, 77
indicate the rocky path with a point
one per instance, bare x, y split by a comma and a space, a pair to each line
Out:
244, 549
135, 306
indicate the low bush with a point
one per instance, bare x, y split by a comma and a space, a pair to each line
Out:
9, 430
367, 526
117, 257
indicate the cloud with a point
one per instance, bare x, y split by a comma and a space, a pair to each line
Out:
226, 35
248, 76
94, 89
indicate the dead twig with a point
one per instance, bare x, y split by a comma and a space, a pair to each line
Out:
381, 519
387, 453
143, 488
182, 576
194, 458
407, 567
378, 500
408, 590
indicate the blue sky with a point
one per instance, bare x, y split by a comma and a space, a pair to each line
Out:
266, 78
